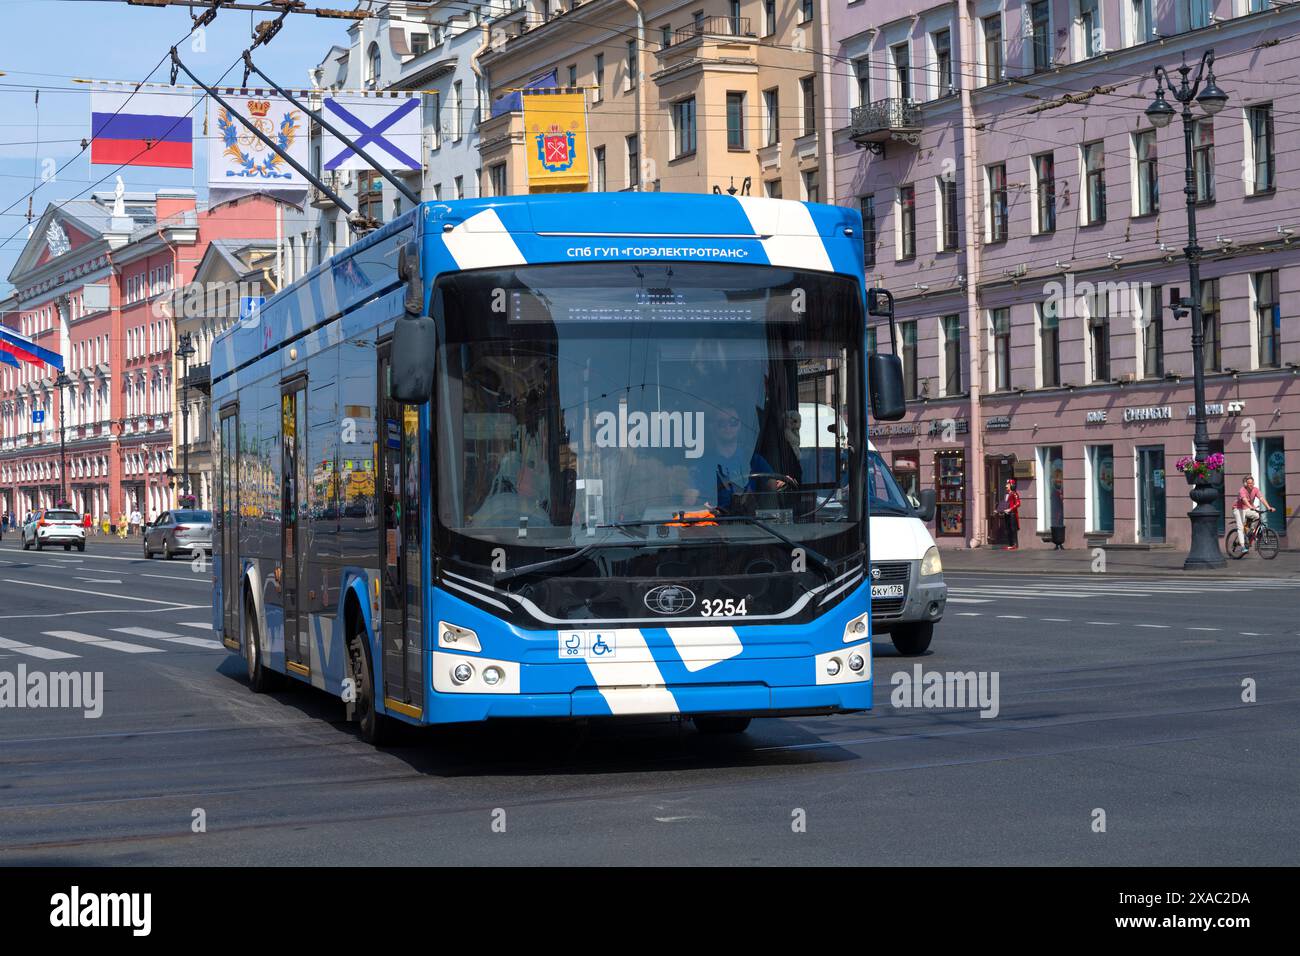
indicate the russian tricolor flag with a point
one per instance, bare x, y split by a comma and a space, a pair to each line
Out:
16, 347
144, 129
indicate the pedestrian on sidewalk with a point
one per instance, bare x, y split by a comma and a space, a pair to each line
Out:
1010, 511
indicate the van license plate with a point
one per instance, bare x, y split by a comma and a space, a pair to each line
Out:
886, 590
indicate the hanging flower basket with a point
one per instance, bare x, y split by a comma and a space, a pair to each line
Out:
1209, 471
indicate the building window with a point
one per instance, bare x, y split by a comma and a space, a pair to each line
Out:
1198, 14
806, 8
372, 65
419, 44
1094, 164
633, 161
811, 192
459, 188
599, 93
867, 206
1045, 192
1098, 326
666, 36
1152, 321
862, 78
1139, 21
370, 196
1203, 159
1268, 319
735, 18
601, 184
573, 76
902, 58
1147, 196
773, 187
948, 209
435, 120
907, 332
951, 326
992, 48
997, 191
684, 127
1040, 20
769, 17
632, 67
907, 222
457, 117
943, 63
1101, 489
1270, 469
735, 121
772, 116
808, 94
1001, 322
1049, 344
1089, 28
1212, 350
1260, 120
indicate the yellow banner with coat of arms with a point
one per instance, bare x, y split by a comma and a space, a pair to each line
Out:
555, 138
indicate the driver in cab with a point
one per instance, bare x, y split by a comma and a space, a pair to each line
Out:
727, 467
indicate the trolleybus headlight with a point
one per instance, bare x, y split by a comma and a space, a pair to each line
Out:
492, 676
856, 663
461, 673
855, 630
833, 666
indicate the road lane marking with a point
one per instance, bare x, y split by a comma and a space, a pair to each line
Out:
44, 653
177, 577
1055, 620
1012, 617
170, 637
1103, 623
98, 580
1203, 628
120, 597
104, 642
199, 624
959, 600
969, 614
1165, 626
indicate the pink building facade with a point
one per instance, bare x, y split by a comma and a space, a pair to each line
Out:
1030, 221
94, 283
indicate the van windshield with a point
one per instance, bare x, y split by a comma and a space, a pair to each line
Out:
883, 494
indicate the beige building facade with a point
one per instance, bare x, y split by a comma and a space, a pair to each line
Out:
681, 96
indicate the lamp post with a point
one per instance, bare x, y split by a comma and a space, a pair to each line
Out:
1204, 552
61, 381
184, 350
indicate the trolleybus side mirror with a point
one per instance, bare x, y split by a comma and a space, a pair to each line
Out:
885, 372
411, 360
928, 503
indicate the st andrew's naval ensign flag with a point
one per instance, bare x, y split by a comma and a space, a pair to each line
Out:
141, 129
387, 128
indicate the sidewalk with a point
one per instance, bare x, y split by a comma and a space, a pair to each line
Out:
1042, 559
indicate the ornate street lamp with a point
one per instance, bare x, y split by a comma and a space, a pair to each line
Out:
184, 350
61, 381
1204, 551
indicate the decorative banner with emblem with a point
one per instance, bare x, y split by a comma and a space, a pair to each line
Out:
555, 137
238, 160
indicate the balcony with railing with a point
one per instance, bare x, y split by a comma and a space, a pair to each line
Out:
874, 124
718, 26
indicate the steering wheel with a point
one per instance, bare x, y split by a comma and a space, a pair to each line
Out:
785, 480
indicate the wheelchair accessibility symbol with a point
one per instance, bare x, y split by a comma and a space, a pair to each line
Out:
588, 645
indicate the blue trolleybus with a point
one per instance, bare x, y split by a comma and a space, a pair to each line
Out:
541, 456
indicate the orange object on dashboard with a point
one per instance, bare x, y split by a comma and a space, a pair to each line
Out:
692, 519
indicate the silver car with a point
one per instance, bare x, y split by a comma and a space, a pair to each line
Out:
182, 531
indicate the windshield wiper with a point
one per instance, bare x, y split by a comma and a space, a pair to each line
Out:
827, 568
565, 560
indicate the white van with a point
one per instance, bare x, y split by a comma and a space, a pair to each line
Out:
908, 593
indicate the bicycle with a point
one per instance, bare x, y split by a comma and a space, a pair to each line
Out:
1259, 535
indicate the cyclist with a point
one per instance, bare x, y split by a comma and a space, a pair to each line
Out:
1246, 510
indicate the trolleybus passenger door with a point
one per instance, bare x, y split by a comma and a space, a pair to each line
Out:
293, 483
401, 548
228, 516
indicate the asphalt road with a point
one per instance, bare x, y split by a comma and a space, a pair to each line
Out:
1118, 695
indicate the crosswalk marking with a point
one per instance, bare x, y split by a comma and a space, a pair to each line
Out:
199, 624
44, 653
206, 642
1058, 588
104, 642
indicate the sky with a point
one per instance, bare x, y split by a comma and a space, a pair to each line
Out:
104, 39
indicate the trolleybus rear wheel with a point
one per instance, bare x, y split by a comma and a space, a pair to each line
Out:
376, 728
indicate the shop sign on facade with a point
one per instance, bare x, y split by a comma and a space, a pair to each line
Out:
997, 423
1150, 413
